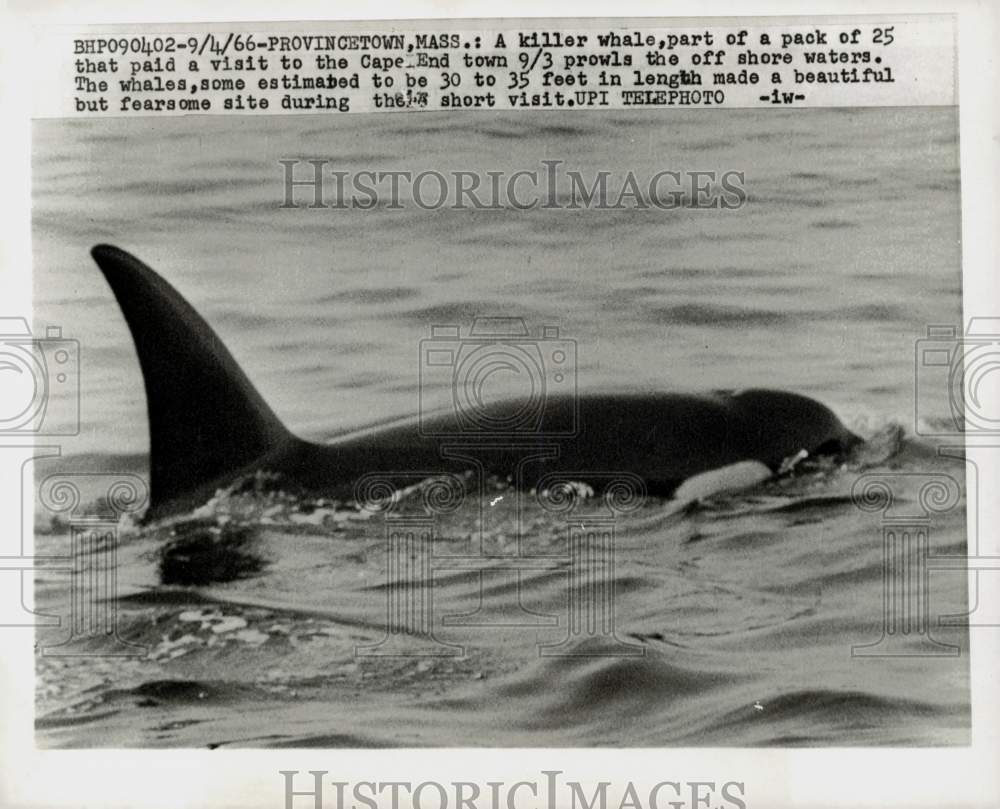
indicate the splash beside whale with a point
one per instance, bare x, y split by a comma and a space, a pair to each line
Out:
209, 426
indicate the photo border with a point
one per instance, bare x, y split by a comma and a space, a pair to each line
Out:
852, 777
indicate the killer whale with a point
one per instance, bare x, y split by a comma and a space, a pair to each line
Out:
208, 425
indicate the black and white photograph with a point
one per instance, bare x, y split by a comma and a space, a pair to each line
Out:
516, 409
254, 369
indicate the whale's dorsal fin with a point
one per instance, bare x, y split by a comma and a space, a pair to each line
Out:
206, 420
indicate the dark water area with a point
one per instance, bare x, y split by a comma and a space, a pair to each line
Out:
260, 619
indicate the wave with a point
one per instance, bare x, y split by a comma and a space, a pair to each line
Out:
814, 717
703, 314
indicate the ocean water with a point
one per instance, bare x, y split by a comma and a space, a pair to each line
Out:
734, 620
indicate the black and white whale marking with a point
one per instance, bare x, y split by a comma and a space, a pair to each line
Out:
209, 426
